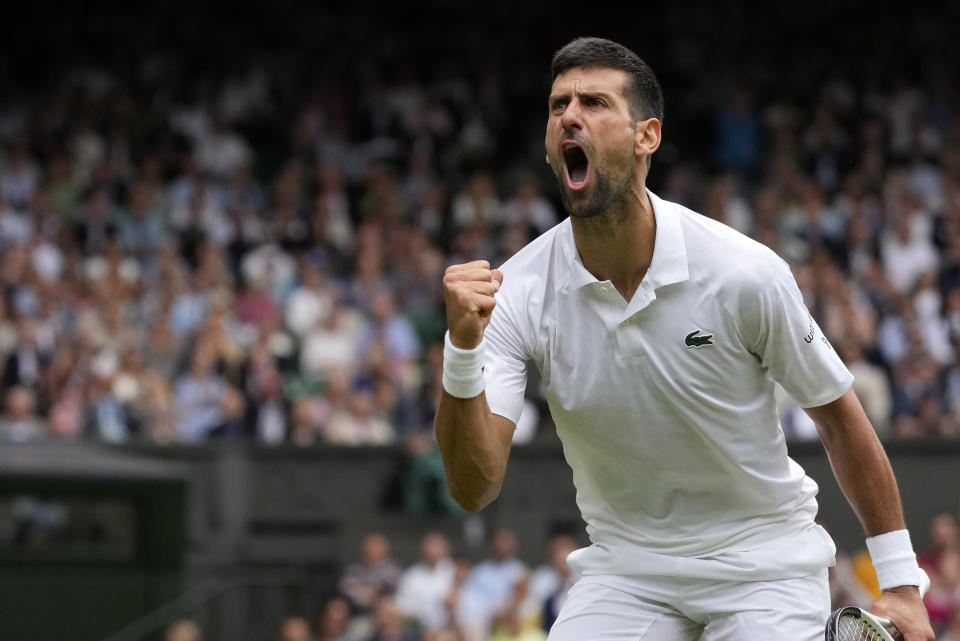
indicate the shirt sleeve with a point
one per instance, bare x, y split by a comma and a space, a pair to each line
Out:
790, 345
505, 367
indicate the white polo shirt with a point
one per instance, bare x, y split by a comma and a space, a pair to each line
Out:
665, 404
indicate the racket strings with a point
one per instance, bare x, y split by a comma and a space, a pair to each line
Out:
850, 629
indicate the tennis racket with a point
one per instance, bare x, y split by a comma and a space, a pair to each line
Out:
855, 624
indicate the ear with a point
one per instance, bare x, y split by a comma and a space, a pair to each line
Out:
646, 137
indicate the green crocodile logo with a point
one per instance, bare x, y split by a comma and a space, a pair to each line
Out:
693, 340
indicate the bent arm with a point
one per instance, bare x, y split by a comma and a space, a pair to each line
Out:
859, 463
475, 445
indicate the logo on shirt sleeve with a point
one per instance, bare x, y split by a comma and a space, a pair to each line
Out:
812, 333
694, 339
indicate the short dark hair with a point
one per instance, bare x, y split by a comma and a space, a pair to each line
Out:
642, 88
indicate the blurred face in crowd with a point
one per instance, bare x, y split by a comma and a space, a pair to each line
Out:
336, 618
560, 546
183, 630
434, 548
388, 619
19, 403
504, 545
594, 145
376, 548
944, 532
295, 629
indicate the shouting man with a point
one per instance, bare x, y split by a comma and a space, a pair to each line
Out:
659, 334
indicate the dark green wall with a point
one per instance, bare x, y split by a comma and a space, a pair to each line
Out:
274, 526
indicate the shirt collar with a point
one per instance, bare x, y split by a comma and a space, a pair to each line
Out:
669, 262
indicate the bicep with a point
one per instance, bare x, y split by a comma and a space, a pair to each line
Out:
841, 419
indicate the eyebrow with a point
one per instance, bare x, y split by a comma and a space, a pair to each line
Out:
581, 94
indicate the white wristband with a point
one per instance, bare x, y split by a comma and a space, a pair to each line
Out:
462, 369
894, 560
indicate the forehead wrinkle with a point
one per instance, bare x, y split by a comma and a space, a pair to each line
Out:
580, 86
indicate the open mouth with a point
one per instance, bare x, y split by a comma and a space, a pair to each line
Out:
576, 164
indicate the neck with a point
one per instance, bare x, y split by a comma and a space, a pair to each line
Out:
617, 245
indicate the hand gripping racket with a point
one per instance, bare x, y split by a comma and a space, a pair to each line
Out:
854, 624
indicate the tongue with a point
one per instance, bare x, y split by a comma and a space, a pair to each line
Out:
578, 174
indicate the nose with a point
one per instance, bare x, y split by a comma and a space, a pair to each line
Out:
571, 116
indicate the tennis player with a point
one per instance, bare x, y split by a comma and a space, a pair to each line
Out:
659, 334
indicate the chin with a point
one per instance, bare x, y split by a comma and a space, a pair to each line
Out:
581, 205
584, 212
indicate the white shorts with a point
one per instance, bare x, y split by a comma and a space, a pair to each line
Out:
605, 608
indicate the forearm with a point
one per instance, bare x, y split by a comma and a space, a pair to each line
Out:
864, 474
474, 450
859, 464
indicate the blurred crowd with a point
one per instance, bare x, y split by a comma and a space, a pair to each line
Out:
439, 597
445, 597
252, 247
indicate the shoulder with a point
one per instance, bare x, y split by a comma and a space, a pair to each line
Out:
726, 259
541, 266
538, 254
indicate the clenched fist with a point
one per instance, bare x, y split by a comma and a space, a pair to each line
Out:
468, 291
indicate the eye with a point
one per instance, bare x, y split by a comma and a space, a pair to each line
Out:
558, 105
593, 102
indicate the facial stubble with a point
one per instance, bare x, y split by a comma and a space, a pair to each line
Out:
606, 193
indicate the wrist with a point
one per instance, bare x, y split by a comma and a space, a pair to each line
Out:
461, 343
894, 560
463, 369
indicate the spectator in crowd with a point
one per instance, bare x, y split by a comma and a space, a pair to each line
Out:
359, 424
872, 385
26, 362
334, 621
106, 417
944, 538
478, 205
19, 421
424, 587
155, 409
389, 624
197, 397
294, 629
332, 344
234, 423
183, 630
528, 209
491, 582
376, 574
952, 631
311, 301
942, 563
261, 258
517, 622
265, 388
306, 422
944, 597
389, 336
326, 214
550, 581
